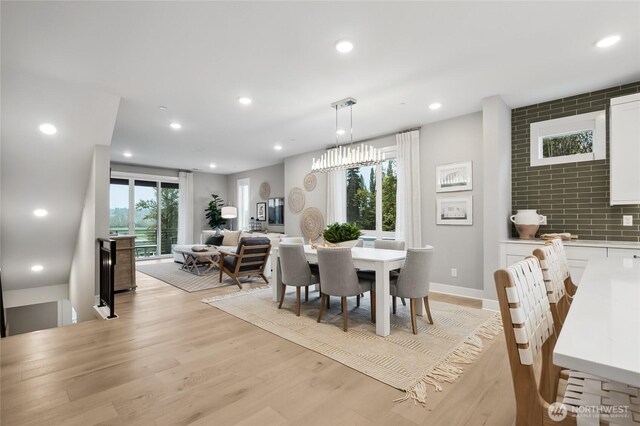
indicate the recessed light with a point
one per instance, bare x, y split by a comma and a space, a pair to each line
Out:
162, 107
608, 41
128, 154
37, 268
340, 132
344, 46
175, 126
245, 100
48, 129
277, 147
212, 165
434, 106
40, 212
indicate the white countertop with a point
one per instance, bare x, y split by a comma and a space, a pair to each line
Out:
601, 334
582, 243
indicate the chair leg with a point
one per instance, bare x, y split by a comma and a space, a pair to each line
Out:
412, 303
358, 301
393, 299
426, 307
237, 281
283, 288
373, 307
306, 294
328, 302
297, 301
322, 302
264, 278
344, 314
220, 275
403, 302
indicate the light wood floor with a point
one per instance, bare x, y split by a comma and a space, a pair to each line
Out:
172, 360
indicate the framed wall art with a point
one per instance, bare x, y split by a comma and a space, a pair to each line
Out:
261, 211
454, 211
454, 177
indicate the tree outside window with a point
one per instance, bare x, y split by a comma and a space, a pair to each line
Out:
363, 203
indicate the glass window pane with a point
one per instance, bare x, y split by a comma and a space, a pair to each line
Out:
361, 197
146, 218
119, 207
168, 217
567, 144
389, 189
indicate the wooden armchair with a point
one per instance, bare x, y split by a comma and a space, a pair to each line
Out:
248, 260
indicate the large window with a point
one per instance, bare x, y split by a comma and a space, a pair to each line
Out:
243, 203
148, 209
371, 197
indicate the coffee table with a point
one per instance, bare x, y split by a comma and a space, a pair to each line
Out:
192, 259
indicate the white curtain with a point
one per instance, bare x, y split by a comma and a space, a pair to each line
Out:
408, 212
185, 208
336, 196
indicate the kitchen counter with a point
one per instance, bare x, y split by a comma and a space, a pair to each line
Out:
582, 243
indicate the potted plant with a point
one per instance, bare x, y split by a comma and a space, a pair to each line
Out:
214, 213
340, 232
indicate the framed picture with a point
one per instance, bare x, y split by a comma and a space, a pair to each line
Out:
261, 211
276, 211
454, 177
454, 211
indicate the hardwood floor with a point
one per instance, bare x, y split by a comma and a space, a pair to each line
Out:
172, 360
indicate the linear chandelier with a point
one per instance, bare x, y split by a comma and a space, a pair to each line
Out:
349, 156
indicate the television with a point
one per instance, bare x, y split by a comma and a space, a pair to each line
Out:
276, 211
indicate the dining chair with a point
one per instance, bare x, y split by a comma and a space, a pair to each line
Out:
553, 278
529, 334
414, 281
295, 272
570, 286
339, 278
292, 240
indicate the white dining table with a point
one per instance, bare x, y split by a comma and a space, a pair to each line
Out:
381, 261
601, 334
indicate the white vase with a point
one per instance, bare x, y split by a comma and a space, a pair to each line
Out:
527, 223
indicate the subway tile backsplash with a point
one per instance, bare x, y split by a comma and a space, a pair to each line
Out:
573, 196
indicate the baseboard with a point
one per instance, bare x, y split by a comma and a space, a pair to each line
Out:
103, 312
455, 290
490, 305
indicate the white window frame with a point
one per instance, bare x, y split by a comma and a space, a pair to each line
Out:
390, 153
594, 121
244, 211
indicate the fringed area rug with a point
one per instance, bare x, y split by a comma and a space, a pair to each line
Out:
408, 362
170, 273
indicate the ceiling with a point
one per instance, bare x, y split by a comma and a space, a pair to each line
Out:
198, 58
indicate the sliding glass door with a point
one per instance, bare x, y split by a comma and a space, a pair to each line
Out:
147, 209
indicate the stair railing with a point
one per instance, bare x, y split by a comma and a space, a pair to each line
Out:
107, 274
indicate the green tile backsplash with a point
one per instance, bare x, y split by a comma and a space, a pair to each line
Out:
573, 196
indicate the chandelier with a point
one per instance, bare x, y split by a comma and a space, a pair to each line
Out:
346, 156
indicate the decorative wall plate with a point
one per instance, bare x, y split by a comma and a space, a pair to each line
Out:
310, 182
265, 190
296, 200
312, 223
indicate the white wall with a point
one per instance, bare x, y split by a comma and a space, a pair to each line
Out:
273, 175
450, 141
205, 184
94, 223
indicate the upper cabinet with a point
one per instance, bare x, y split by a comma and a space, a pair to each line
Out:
625, 149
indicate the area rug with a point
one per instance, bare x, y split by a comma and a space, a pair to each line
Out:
403, 360
171, 274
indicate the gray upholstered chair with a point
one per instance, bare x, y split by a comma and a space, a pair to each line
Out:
413, 282
339, 278
292, 240
295, 271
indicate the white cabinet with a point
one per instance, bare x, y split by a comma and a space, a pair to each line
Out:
625, 253
624, 148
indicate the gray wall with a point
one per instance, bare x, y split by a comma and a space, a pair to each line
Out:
273, 175
574, 196
23, 319
454, 140
205, 184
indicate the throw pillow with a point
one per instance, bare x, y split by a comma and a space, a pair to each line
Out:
214, 240
231, 238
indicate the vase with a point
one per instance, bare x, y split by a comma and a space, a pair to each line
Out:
527, 223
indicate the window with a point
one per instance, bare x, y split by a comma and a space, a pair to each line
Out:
136, 203
569, 139
243, 204
371, 197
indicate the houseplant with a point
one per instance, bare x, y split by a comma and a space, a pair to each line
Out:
214, 212
340, 232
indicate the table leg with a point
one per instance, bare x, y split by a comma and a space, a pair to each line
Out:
276, 288
383, 311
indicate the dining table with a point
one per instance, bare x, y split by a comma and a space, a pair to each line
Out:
382, 261
601, 333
